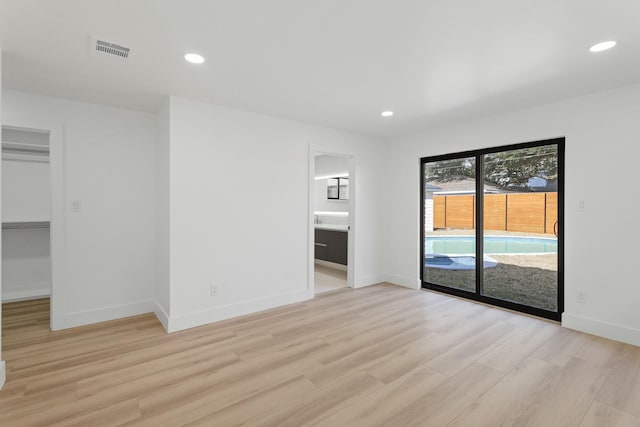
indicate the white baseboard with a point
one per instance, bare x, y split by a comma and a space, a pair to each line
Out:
370, 280
25, 295
406, 282
604, 329
330, 264
87, 317
3, 373
215, 314
162, 315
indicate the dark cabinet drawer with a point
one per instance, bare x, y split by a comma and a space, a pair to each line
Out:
331, 246
321, 251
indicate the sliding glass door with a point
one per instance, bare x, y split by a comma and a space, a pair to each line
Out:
503, 206
449, 239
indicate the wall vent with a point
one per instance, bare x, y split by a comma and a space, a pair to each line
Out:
103, 47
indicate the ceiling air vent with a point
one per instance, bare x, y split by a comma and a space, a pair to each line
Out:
104, 47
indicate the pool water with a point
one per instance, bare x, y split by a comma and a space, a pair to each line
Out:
457, 262
458, 245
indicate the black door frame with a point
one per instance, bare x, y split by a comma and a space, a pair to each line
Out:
477, 295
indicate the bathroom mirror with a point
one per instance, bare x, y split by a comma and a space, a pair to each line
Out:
338, 188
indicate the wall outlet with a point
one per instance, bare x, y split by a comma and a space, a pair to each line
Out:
213, 290
582, 297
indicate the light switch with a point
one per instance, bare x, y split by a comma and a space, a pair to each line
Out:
581, 205
75, 206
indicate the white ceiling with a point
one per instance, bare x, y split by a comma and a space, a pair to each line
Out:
336, 63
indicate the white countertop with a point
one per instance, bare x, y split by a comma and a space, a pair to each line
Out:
332, 227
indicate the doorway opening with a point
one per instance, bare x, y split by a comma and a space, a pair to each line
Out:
26, 230
332, 207
492, 226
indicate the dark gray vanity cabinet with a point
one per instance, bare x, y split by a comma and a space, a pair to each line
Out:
331, 246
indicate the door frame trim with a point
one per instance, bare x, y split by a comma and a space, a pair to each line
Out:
57, 220
316, 150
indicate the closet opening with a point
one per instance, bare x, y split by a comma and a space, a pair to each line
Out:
26, 232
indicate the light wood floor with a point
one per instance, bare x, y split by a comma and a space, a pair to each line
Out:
382, 355
328, 279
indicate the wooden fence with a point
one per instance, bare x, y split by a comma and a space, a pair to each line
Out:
528, 212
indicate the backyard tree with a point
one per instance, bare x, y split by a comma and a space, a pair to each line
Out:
511, 169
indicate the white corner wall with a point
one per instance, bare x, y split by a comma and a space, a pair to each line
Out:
162, 285
2, 365
239, 210
110, 168
602, 133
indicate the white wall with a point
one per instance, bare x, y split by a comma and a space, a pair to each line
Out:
26, 263
428, 211
602, 133
162, 285
324, 204
110, 168
327, 165
230, 172
25, 191
2, 367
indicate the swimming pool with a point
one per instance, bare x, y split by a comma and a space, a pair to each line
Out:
493, 245
457, 262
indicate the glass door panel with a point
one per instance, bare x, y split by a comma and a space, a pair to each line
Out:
520, 225
449, 246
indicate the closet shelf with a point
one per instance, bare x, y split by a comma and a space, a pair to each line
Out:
14, 225
25, 152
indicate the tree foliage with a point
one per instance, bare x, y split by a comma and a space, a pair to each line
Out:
511, 169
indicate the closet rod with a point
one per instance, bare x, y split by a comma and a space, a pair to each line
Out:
23, 225
24, 147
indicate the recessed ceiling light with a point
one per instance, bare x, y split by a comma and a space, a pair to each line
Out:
194, 58
599, 47
386, 113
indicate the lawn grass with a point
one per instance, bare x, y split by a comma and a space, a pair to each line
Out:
525, 279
